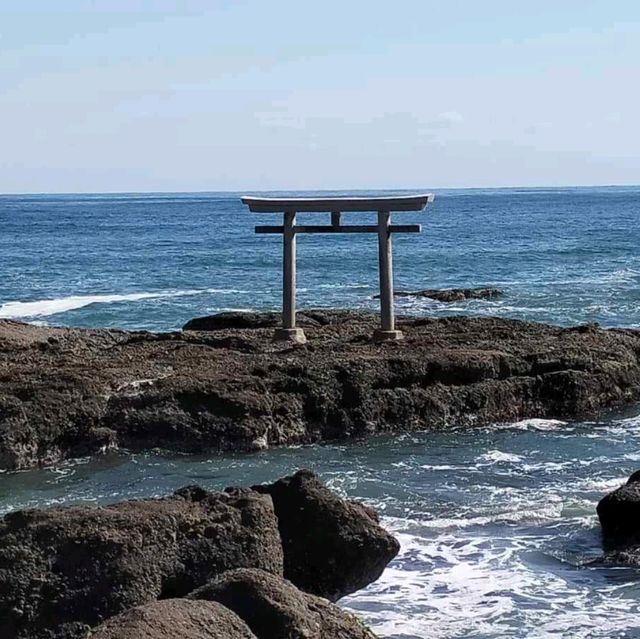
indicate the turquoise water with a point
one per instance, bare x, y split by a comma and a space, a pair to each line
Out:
497, 525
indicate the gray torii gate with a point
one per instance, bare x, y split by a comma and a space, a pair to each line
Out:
384, 206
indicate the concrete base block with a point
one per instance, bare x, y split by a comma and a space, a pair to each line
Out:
380, 335
295, 335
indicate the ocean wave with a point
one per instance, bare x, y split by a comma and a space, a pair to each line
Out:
44, 308
536, 424
456, 585
341, 286
497, 456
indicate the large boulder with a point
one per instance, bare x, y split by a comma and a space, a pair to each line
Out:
619, 514
332, 547
175, 619
65, 569
275, 609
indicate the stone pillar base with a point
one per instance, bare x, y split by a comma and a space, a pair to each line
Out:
380, 335
295, 335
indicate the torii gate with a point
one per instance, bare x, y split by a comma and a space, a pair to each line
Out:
384, 206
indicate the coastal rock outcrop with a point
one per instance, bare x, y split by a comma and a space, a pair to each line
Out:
175, 618
619, 515
65, 570
275, 609
70, 392
332, 547
453, 294
246, 319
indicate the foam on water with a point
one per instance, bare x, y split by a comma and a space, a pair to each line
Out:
43, 308
538, 424
497, 525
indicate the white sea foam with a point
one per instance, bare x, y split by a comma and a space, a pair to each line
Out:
531, 424
43, 308
539, 424
444, 586
497, 456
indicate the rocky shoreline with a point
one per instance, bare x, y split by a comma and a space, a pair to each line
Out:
223, 385
264, 562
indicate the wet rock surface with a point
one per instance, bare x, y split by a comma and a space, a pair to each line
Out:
332, 547
619, 515
70, 392
64, 571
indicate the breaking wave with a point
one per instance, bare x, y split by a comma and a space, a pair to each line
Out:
44, 308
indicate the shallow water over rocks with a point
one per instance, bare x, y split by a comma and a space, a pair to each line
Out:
497, 525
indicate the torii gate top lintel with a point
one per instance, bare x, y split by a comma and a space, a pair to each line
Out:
343, 204
384, 206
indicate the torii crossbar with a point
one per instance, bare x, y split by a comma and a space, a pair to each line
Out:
384, 206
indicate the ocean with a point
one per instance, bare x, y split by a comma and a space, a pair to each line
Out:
497, 524
154, 261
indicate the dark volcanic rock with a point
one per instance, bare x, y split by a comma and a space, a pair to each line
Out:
232, 319
619, 514
335, 623
275, 609
65, 569
246, 319
69, 392
175, 619
454, 294
272, 607
332, 547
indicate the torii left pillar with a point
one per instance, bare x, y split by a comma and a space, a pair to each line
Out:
289, 331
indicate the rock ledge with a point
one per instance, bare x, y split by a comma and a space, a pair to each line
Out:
71, 392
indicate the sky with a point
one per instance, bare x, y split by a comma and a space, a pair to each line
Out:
186, 95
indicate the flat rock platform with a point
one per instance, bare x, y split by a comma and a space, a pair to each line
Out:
228, 387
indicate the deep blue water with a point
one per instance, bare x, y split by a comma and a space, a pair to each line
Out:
154, 261
497, 525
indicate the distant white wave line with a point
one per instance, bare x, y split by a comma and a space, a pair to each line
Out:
42, 308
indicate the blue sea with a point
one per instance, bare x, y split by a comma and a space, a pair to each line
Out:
497, 524
154, 261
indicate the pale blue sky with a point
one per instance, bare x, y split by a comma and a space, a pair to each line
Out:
126, 95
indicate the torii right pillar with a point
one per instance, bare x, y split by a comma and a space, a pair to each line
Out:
387, 331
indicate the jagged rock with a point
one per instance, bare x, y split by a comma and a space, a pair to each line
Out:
332, 547
275, 609
619, 514
65, 569
175, 619
69, 392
